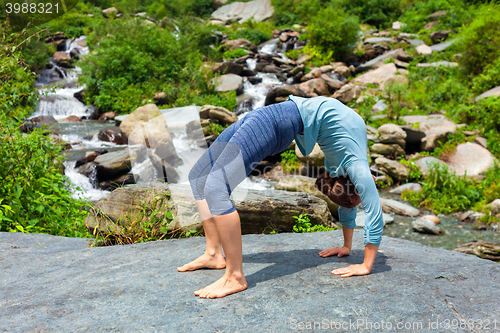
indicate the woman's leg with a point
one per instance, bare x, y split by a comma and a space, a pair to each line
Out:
212, 258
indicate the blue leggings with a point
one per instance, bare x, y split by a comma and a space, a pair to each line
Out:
239, 149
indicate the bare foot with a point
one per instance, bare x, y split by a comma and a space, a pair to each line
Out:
228, 284
204, 261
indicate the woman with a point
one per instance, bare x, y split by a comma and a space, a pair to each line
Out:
340, 133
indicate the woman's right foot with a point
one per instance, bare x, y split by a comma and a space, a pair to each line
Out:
204, 261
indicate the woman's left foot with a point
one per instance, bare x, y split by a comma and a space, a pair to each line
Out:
228, 284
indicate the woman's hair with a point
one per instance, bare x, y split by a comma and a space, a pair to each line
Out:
339, 190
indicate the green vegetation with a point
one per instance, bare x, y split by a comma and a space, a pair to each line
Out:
213, 129
445, 192
303, 225
289, 161
233, 54
33, 193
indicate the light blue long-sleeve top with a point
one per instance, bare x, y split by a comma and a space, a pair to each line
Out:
341, 134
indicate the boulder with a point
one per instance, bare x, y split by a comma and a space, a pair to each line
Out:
306, 185
347, 93
394, 169
436, 129
393, 206
334, 84
383, 75
223, 115
258, 10
282, 91
62, 59
484, 250
425, 164
113, 164
471, 159
43, 120
380, 60
435, 16
492, 92
442, 46
425, 226
387, 149
110, 185
397, 25
378, 40
107, 116
228, 82
145, 125
111, 11
275, 209
438, 64
437, 36
432, 218
165, 172
495, 207
343, 70
412, 187
234, 44
391, 133
423, 50
314, 88
303, 59
112, 134
71, 119
136, 204
227, 67
315, 158
379, 106
313, 74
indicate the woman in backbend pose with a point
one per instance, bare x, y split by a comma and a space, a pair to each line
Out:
340, 133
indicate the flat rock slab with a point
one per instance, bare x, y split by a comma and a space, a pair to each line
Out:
54, 284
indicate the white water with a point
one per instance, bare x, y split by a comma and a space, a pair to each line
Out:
87, 192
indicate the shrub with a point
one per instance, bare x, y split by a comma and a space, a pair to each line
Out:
233, 54
213, 129
303, 224
333, 32
289, 161
479, 41
253, 31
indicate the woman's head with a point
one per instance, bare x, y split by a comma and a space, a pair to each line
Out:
340, 190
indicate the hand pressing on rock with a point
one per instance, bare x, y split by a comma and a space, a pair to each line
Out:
339, 251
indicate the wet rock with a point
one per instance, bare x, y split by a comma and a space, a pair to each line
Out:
113, 164
107, 116
282, 91
109, 12
43, 120
306, 185
219, 113
492, 92
228, 82
110, 185
89, 157
313, 74
347, 93
254, 79
412, 187
392, 150
146, 125
471, 159
71, 119
382, 75
442, 46
391, 133
314, 87
343, 70
394, 169
425, 226
393, 206
432, 218
425, 164
315, 158
271, 68
112, 134
62, 59
303, 59
423, 50
227, 67
484, 250
258, 10
164, 171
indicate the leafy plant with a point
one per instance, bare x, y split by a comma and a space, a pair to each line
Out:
303, 225
233, 54
213, 129
289, 161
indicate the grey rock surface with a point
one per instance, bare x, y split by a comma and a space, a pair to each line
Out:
425, 226
442, 46
62, 286
397, 207
492, 92
258, 10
